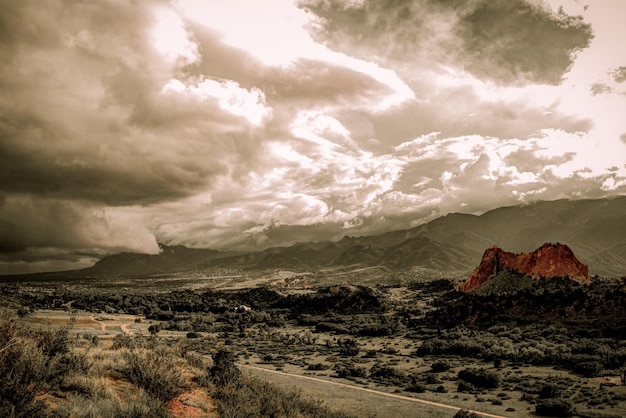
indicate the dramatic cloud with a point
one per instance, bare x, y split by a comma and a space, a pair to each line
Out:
240, 125
504, 41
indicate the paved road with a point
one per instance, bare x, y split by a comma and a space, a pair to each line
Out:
377, 392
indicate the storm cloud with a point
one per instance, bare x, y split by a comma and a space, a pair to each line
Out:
235, 125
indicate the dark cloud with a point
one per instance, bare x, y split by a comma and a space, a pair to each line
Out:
623, 137
511, 40
505, 41
84, 117
29, 222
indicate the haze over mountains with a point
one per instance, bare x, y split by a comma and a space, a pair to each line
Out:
594, 229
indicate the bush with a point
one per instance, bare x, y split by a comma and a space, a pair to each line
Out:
480, 378
549, 391
466, 387
348, 347
32, 361
588, 368
155, 372
441, 366
464, 413
554, 408
417, 388
224, 370
318, 366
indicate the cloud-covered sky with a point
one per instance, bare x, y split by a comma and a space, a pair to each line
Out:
243, 124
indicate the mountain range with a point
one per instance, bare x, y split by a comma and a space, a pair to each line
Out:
594, 229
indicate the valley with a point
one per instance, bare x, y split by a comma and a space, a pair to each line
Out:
404, 337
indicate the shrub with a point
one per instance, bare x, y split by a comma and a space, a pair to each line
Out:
464, 413
417, 388
466, 387
588, 368
348, 347
441, 366
155, 372
32, 361
554, 408
549, 391
480, 378
318, 366
224, 370
351, 372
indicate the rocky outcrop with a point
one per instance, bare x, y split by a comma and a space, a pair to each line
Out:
548, 261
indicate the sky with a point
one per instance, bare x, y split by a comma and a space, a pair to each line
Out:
241, 125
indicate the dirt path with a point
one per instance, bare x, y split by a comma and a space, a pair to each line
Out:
377, 392
125, 330
103, 327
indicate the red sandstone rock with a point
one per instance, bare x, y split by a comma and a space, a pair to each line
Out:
548, 261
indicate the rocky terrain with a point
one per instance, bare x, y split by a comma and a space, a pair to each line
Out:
548, 261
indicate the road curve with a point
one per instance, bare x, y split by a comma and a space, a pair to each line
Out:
391, 395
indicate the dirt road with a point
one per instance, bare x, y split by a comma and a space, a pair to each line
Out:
372, 391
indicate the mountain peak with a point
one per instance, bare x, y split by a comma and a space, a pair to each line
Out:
548, 261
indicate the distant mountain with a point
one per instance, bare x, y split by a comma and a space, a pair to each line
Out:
594, 229
171, 259
548, 261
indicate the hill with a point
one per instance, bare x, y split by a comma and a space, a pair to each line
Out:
548, 261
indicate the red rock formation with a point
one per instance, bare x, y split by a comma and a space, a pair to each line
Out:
548, 261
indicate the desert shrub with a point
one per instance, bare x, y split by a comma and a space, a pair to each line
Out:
32, 361
351, 372
237, 395
196, 360
417, 388
317, 366
348, 347
370, 354
105, 404
433, 380
465, 387
480, 378
224, 370
441, 365
588, 368
464, 413
549, 391
155, 372
388, 374
554, 408
123, 341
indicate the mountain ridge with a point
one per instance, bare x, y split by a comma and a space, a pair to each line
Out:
595, 229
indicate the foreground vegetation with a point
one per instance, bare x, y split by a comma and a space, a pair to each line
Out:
554, 349
48, 373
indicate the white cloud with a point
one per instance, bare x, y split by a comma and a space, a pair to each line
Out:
230, 96
171, 38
